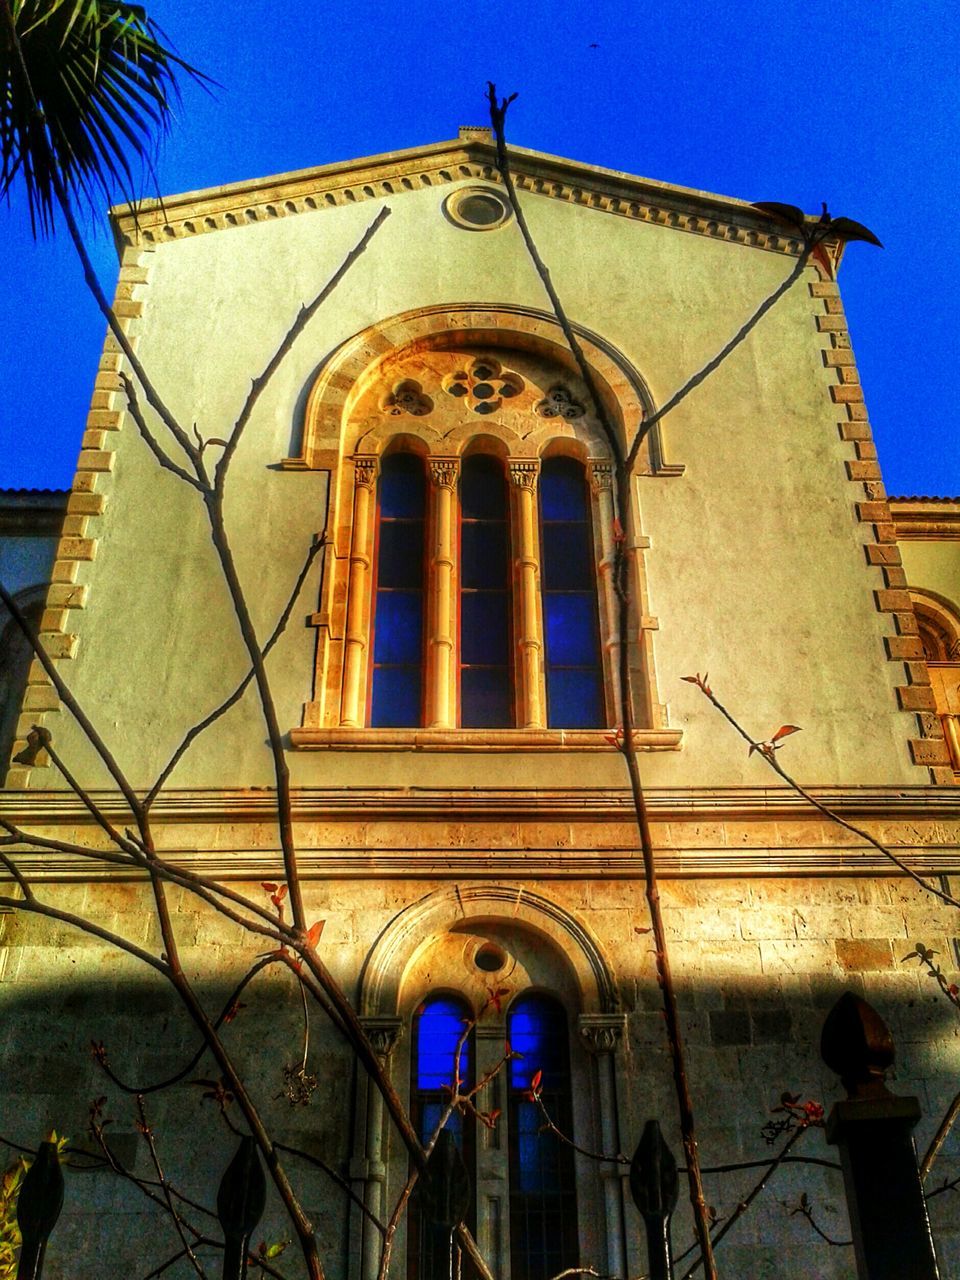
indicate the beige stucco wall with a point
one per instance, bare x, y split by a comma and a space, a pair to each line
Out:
755, 569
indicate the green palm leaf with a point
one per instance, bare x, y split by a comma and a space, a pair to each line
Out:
85, 96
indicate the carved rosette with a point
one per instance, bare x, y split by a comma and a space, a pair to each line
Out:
602, 1032
384, 1034
559, 403
444, 472
524, 474
365, 471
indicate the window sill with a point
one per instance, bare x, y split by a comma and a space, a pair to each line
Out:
341, 739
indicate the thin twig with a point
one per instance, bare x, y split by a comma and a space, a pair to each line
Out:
147, 1133
770, 759
940, 1137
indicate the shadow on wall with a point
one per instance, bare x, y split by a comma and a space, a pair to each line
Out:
749, 1041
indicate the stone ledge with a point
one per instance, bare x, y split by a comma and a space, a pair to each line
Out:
346, 739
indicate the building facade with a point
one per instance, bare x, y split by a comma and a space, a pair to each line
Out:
448, 690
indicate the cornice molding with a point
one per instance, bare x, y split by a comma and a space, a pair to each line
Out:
926, 519
439, 165
578, 804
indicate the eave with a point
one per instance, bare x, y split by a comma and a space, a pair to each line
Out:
471, 156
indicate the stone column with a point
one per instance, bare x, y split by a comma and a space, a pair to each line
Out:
358, 598
602, 1034
493, 1170
523, 474
370, 1169
601, 481
443, 615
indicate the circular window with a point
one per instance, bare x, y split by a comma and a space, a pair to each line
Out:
476, 209
489, 958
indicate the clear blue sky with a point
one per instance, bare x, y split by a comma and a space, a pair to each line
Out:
854, 103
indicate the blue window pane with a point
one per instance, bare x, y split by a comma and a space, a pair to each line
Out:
440, 1025
567, 557
571, 622
482, 490
484, 628
486, 700
574, 698
397, 698
400, 555
398, 635
563, 494
483, 554
401, 489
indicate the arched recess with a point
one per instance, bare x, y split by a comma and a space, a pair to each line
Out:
939, 625
451, 909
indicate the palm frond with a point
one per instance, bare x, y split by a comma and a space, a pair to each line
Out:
86, 87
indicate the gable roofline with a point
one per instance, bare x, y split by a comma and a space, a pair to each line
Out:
472, 155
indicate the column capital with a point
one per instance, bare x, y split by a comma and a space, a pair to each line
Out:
601, 474
524, 472
444, 472
602, 1033
366, 467
384, 1033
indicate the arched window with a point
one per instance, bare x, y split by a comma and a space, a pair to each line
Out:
543, 1202
571, 636
438, 1029
397, 685
486, 651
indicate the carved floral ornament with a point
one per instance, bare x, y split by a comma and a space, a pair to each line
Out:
483, 385
407, 398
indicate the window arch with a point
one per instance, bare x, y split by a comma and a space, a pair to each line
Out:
574, 675
503, 410
398, 615
939, 628
438, 1048
543, 1197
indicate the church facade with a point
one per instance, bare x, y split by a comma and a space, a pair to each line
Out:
448, 685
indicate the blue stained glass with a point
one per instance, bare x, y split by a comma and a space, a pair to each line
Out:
400, 555
483, 554
482, 489
484, 628
567, 557
402, 489
571, 621
398, 634
486, 701
397, 698
575, 698
440, 1025
562, 491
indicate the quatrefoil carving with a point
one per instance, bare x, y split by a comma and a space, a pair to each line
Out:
407, 397
559, 403
483, 385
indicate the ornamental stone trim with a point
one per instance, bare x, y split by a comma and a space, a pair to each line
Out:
439, 166
881, 553
80, 531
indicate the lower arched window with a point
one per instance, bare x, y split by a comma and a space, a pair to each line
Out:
543, 1199
440, 1046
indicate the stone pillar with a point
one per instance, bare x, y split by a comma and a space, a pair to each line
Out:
493, 1170
602, 1034
601, 481
358, 599
523, 474
873, 1130
443, 615
370, 1170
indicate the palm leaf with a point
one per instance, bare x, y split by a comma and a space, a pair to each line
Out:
84, 96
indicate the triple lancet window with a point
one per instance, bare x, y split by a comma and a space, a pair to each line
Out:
485, 607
